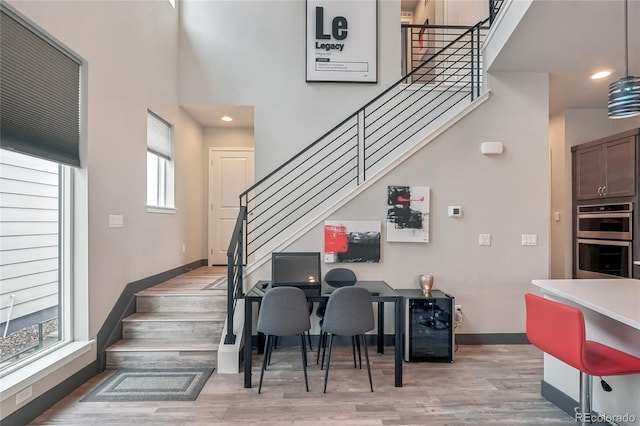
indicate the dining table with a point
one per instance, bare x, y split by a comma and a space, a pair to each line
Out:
381, 293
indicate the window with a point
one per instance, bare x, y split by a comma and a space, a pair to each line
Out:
32, 225
40, 130
160, 174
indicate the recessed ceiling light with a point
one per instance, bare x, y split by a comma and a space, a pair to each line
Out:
601, 74
227, 118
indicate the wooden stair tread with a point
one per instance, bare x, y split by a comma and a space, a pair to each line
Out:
176, 316
158, 345
182, 292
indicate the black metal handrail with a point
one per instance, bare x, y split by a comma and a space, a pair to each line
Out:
421, 41
235, 263
494, 8
341, 159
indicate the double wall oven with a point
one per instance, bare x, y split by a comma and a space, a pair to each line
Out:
604, 241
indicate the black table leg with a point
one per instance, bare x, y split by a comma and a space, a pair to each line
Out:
380, 327
399, 325
248, 305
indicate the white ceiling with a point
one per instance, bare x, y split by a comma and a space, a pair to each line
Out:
570, 40
211, 115
408, 5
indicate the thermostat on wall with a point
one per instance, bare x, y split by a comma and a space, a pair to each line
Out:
455, 211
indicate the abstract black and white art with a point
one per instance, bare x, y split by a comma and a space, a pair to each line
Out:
408, 214
351, 241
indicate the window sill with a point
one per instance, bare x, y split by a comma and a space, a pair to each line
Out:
161, 210
36, 370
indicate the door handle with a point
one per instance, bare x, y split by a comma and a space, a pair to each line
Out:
600, 191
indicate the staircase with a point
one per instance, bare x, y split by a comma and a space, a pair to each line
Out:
177, 323
446, 84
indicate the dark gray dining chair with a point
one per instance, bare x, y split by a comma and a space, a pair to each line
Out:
336, 277
284, 312
349, 313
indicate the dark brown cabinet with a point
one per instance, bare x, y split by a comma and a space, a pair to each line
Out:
607, 171
606, 168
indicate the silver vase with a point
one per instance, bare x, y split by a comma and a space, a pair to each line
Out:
426, 283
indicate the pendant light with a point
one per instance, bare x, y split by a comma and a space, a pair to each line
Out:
624, 94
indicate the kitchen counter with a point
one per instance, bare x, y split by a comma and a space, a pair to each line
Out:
615, 298
611, 309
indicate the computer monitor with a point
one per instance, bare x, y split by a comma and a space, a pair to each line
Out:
299, 269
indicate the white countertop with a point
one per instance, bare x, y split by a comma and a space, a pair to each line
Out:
616, 298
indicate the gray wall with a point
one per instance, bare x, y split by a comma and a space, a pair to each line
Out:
130, 49
505, 196
253, 53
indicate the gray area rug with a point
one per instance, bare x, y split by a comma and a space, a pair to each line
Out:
183, 384
217, 284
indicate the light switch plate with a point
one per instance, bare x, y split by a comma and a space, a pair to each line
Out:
484, 239
529, 239
116, 221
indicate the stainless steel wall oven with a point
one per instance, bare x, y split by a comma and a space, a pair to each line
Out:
604, 246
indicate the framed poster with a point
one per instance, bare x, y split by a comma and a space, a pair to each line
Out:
342, 41
408, 214
351, 241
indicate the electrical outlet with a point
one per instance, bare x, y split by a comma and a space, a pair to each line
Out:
458, 308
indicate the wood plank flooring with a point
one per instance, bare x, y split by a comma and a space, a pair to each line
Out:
486, 385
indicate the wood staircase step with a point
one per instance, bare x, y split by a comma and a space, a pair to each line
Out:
176, 324
166, 325
201, 301
162, 353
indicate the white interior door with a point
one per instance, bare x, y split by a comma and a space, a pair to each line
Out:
231, 171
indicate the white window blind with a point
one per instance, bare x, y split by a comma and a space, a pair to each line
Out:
39, 94
158, 136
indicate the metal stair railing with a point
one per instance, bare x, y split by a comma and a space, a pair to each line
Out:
419, 42
235, 263
354, 150
342, 158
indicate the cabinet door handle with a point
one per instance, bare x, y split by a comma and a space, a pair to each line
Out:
604, 190
600, 191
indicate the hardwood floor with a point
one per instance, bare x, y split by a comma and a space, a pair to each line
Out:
486, 385
498, 384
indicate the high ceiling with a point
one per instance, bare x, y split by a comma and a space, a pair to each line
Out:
571, 40
408, 5
211, 115
568, 39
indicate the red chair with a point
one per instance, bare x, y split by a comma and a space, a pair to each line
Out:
559, 330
